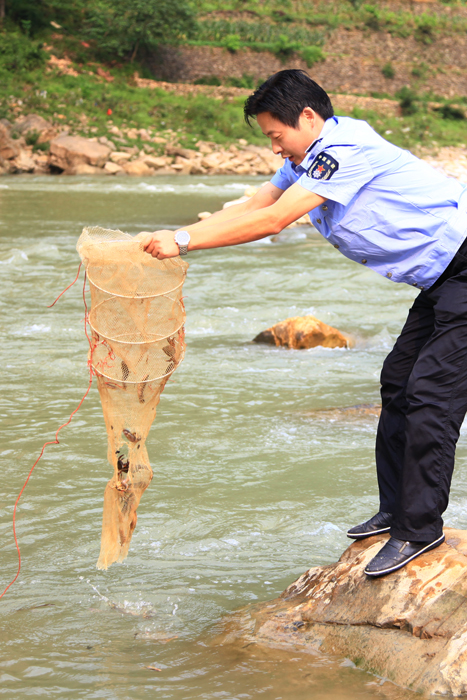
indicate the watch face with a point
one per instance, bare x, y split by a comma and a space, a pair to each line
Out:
182, 237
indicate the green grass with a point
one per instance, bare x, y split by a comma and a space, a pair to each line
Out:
83, 102
270, 18
421, 131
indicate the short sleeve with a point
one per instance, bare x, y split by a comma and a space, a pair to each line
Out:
281, 178
338, 173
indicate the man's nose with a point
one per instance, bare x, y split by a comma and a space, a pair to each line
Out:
276, 148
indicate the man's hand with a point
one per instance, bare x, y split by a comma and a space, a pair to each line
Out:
159, 244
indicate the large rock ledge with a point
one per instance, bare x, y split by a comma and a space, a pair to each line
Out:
409, 627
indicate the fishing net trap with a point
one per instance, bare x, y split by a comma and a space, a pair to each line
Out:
136, 341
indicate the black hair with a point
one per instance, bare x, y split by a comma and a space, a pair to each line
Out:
285, 95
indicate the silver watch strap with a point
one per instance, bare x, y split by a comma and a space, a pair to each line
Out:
183, 249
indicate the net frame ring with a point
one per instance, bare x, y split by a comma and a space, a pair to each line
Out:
105, 335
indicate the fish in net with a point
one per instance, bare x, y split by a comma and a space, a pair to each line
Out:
136, 343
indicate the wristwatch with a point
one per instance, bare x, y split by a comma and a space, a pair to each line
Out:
182, 238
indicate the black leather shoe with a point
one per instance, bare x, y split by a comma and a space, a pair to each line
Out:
381, 522
396, 553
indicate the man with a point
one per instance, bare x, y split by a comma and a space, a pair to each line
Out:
387, 210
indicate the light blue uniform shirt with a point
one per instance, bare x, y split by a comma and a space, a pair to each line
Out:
386, 209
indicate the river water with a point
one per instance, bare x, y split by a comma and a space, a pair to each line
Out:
254, 481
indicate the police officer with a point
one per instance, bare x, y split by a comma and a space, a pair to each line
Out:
383, 208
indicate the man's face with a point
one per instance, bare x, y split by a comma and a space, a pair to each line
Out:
288, 141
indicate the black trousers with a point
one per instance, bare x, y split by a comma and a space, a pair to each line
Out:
424, 401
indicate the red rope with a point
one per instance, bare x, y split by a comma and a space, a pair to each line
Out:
67, 288
56, 441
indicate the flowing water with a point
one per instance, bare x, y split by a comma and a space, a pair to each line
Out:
254, 482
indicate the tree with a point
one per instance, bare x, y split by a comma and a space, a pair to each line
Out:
126, 28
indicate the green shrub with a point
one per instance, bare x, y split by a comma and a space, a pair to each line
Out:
246, 81
420, 70
312, 55
408, 100
232, 43
372, 18
44, 147
388, 71
31, 138
18, 53
283, 48
426, 28
207, 80
448, 111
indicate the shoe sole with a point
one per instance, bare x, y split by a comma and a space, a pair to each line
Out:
389, 570
368, 534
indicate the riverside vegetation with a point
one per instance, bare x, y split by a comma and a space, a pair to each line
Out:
80, 72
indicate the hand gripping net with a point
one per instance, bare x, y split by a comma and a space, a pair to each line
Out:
137, 341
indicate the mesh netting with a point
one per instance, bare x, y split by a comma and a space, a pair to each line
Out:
137, 341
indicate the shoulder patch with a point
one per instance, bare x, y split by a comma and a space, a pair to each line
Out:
323, 167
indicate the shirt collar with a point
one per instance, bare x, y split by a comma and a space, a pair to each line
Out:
328, 126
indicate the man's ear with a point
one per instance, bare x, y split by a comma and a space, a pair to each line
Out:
310, 115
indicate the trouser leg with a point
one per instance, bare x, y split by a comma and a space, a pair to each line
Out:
390, 439
436, 397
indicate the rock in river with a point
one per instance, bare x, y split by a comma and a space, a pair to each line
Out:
409, 627
302, 332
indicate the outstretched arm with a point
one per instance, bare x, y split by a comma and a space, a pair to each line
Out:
244, 225
266, 195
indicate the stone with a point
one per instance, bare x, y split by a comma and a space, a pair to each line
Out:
204, 215
34, 123
138, 168
113, 168
303, 332
9, 148
132, 134
24, 163
182, 152
84, 169
42, 162
5, 166
212, 160
243, 169
157, 161
144, 135
115, 130
66, 152
197, 168
409, 627
182, 166
205, 147
120, 157
62, 65
107, 142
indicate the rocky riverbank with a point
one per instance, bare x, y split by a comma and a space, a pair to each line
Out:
409, 627
33, 145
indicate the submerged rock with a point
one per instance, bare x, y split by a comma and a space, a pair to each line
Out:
409, 627
303, 332
359, 412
